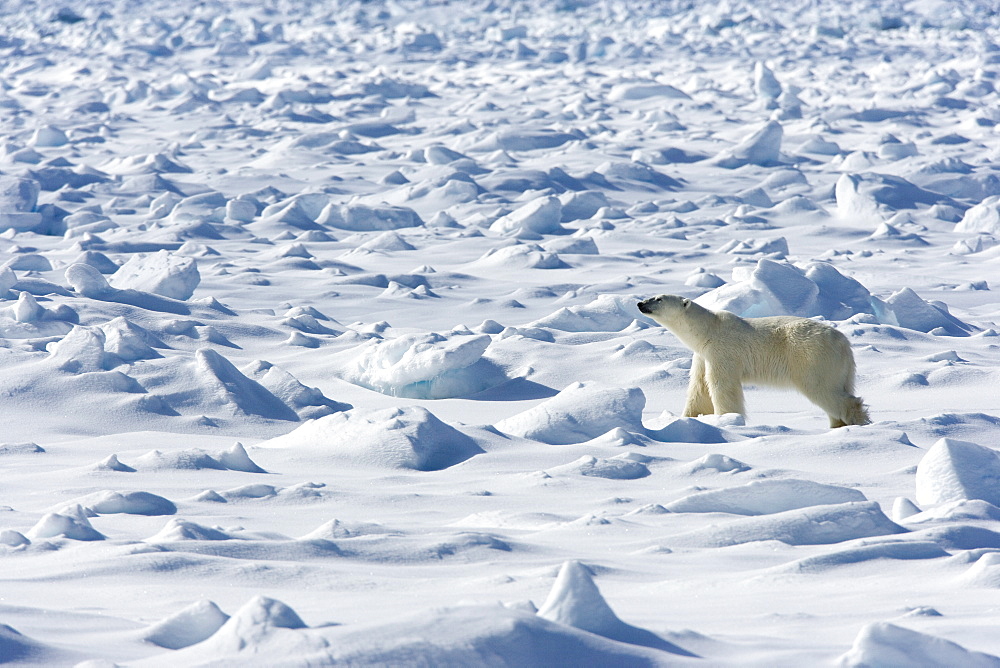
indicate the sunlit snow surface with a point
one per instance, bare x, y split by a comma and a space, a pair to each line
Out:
318, 339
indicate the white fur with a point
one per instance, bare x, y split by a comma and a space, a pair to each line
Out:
784, 351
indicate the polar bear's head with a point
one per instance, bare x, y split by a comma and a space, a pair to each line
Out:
690, 322
665, 307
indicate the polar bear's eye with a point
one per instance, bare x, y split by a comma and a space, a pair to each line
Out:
686, 302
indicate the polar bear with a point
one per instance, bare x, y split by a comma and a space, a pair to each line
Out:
785, 351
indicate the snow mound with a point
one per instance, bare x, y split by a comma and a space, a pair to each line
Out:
186, 627
762, 147
715, 462
607, 313
691, 430
72, 524
532, 220
459, 636
422, 366
308, 402
580, 412
612, 468
576, 601
217, 384
899, 549
360, 218
764, 497
984, 573
816, 525
885, 644
160, 273
18, 649
393, 438
954, 470
644, 91
130, 503
179, 529
194, 459
518, 256
982, 218
259, 622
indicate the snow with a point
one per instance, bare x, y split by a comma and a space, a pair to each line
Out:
319, 340
955, 470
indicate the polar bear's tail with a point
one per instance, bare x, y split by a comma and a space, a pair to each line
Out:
856, 412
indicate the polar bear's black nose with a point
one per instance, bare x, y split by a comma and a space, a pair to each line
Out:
644, 305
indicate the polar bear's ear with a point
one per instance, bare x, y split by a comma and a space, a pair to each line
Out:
686, 302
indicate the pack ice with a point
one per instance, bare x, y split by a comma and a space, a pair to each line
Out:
319, 341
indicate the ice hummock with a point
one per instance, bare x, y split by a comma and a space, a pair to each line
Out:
819, 289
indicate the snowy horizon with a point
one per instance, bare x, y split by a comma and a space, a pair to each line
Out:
319, 341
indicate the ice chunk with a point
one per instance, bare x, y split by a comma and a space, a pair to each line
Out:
885, 644
537, 217
49, 135
983, 217
816, 525
763, 147
188, 626
906, 309
129, 341
576, 601
765, 83
864, 196
407, 438
954, 470
763, 497
772, 288
428, 366
607, 313
161, 273
18, 199
80, 351
579, 413
781, 288
88, 281
237, 459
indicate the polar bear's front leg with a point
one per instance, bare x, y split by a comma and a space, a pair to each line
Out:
699, 401
725, 387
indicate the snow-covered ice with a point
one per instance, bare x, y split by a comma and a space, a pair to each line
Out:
319, 341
